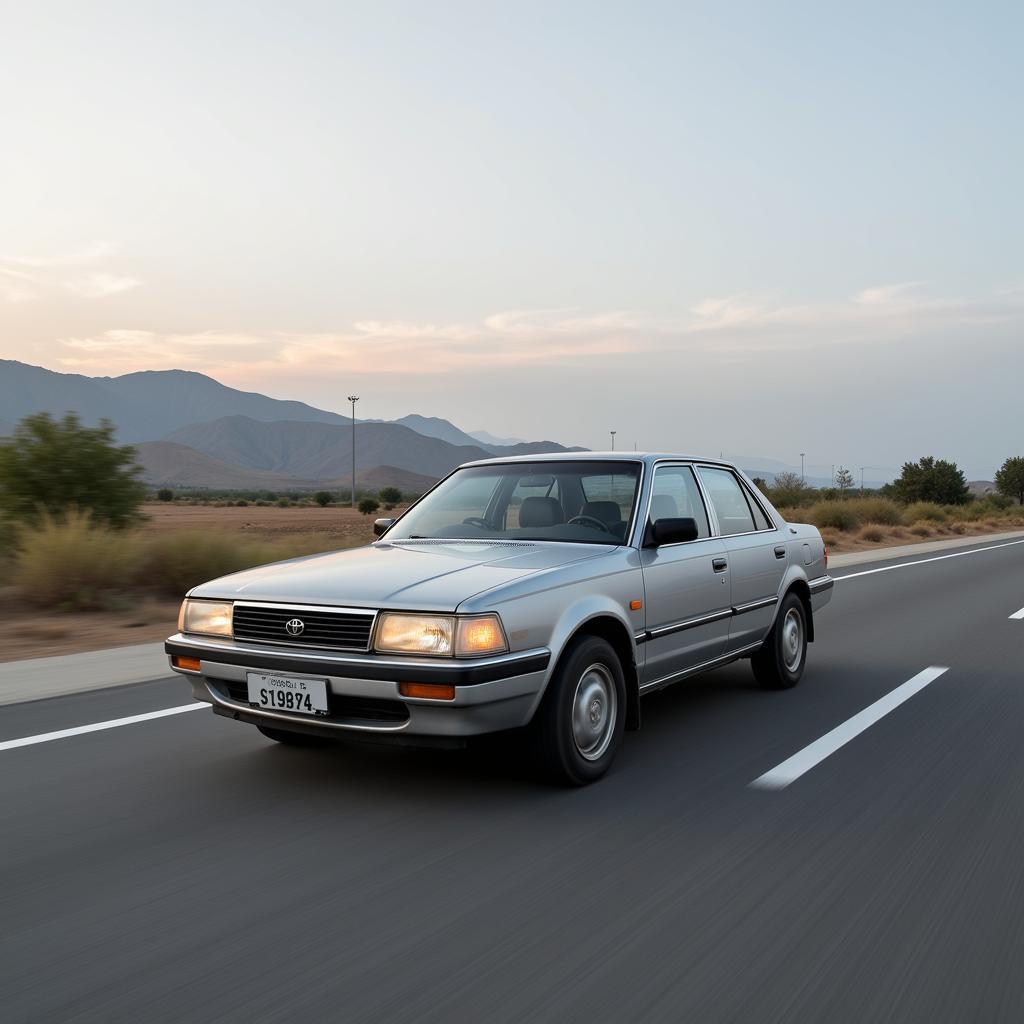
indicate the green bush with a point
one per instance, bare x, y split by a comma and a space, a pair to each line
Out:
877, 510
165, 494
926, 510
840, 515
323, 498
368, 506
52, 466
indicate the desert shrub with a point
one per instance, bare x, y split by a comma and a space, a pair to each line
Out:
921, 529
957, 528
242, 503
171, 563
283, 503
840, 515
368, 506
871, 532
165, 494
391, 496
323, 498
877, 510
73, 562
831, 537
927, 510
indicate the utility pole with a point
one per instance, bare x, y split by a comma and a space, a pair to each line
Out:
862, 481
353, 399
613, 433
803, 479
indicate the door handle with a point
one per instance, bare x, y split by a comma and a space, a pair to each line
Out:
780, 552
719, 564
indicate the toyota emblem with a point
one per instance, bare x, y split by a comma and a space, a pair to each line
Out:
295, 627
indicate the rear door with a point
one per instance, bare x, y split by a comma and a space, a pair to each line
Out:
686, 586
756, 551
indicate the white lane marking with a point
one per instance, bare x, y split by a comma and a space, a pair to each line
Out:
1018, 615
113, 723
804, 760
921, 561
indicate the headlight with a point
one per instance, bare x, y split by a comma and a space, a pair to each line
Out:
212, 617
445, 635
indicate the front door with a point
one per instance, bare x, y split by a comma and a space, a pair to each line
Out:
686, 586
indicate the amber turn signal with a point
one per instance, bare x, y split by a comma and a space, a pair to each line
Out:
429, 691
188, 664
636, 605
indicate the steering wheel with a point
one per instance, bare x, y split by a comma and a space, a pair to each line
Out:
588, 521
477, 521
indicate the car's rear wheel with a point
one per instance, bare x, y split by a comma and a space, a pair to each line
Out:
579, 725
779, 664
291, 739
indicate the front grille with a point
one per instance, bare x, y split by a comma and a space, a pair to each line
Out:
267, 624
345, 708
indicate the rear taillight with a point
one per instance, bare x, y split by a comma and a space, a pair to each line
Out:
825, 549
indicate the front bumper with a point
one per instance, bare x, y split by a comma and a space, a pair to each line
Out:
491, 694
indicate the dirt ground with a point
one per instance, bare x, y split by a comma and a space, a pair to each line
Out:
348, 524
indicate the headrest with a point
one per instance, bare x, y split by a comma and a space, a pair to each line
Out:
663, 506
540, 512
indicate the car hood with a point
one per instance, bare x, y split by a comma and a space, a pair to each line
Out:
428, 576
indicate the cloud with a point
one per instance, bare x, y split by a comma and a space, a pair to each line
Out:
725, 328
26, 278
96, 286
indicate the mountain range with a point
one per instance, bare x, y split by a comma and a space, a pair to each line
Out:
192, 431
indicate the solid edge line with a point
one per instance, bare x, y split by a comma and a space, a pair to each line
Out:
1018, 615
804, 760
114, 723
921, 561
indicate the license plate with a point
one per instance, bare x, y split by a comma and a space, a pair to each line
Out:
288, 693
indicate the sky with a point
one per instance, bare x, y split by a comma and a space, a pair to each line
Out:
757, 228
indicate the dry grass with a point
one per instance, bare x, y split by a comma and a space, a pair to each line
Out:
873, 533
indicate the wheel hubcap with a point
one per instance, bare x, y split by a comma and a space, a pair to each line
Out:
594, 711
792, 640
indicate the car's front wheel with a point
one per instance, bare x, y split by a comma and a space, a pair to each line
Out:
779, 664
580, 722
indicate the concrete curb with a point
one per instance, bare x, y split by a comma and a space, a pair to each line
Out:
38, 678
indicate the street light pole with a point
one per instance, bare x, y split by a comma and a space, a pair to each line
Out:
802, 477
353, 399
613, 433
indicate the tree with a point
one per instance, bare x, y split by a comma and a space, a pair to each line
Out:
1010, 479
368, 506
844, 480
165, 494
789, 491
760, 483
931, 479
391, 496
323, 498
51, 466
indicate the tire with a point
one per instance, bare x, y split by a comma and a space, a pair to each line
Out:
577, 749
779, 664
292, 739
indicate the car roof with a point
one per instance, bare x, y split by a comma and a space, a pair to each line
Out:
645, 457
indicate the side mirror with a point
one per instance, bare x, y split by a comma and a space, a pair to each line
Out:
380, 525
670, 531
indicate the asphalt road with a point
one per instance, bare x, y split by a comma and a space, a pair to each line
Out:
185, 868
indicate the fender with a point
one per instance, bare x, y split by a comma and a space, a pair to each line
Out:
795, 574
585, 608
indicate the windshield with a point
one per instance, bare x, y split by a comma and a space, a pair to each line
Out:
580, 502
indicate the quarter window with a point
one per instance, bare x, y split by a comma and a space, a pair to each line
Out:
761, 521
731, 506
674, 495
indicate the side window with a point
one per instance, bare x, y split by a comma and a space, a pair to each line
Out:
674, 495
730, 506
761, 521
